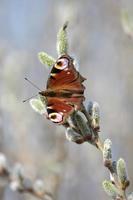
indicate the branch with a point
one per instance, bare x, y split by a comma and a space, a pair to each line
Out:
18, 182
88, 129
84, 126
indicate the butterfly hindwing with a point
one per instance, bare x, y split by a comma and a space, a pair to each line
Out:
58, 110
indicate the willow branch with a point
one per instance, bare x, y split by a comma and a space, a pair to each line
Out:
87, 129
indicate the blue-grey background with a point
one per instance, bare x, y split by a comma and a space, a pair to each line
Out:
105, 56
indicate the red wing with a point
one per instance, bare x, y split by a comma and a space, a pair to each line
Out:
64, 106
56, 105
68, 78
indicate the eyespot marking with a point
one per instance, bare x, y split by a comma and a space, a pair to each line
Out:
61, 64
56, 117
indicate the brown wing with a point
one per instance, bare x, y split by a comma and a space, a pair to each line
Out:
63, 107
58, 109
67, 77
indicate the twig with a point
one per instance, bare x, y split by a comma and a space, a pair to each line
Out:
116, 188
18, 182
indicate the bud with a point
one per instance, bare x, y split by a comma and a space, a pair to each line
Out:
107, 155
46, 59
71, 121
122, 173
38, 106
18, 173
62, 42
111, 190
17, 177
73, 136
94, 113
15, 185
39, 187
83, 127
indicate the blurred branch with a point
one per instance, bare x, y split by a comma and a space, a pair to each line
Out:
18, 182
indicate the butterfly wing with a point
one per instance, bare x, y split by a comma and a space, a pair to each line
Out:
58, 110
64, 76
64, 91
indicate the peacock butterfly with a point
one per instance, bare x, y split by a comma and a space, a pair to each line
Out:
64, 91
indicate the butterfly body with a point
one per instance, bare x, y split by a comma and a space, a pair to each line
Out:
64, 92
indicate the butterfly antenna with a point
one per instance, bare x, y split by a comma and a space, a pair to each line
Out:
30, 98
32, 84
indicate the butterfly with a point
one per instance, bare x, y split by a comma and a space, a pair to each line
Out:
64, 91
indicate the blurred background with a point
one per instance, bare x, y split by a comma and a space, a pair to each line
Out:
105, 55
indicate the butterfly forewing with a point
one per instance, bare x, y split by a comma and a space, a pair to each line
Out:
67, 78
